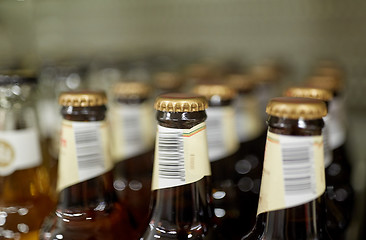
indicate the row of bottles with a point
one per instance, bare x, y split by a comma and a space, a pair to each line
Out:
200, 188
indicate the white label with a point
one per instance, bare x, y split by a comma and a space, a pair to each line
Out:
328, 154
249, 123
84, 152
181, 156
335, 120
19, 149
221, 133
132, 131
293, 171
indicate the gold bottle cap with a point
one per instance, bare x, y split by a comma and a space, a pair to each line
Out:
308, 92
295, 108
18, 76
83, 98
168, 80
265, 73
241, 82
131, 90
221, 90
325, 82
180, 102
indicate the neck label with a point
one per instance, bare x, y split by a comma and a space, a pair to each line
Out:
19, 149
132, 131
293, 171
83, 152
181, 156
222, 137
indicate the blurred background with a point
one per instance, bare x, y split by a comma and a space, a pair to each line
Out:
134, 38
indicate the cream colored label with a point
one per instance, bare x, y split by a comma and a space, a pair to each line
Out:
84, 152
336, 122
19, 149
248, 119
293, 171
131, 130
221, 132
181, 156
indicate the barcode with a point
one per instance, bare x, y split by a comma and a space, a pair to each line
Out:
88, 146
131, 129
171, 156
214, 133
328, 158
297, 167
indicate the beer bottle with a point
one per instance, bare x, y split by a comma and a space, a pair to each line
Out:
132, 147
291, 203
25, 198
223, 146
336, 183
87, 207
165, 82
182, 205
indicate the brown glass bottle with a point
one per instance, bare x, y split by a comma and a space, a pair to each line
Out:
182, 205
338, 216
25, 198
338, 173
87, 206
223, 148
167, 82
132, 148
292, 192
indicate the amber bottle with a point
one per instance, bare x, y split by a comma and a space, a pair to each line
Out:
291, 204
131, 118
25, 198
182, 205
168, 81
87, 206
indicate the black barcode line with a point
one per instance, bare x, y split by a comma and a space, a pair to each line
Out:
297, 168
171, 156
214, 133
88, 148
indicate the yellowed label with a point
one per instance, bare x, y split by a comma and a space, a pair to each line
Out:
249, 122
293, 171
221, 132
181, 156
131, 130
84, 152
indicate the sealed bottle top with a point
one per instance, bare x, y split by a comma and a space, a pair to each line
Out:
20, 76
168, 80
131, 90
83, 98
309, 92
241, 82
180, 102
330, 83
266, 73
295, 108
220, 92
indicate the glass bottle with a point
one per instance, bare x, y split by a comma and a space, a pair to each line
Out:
339, 218
132, 147
291, 204
223, 149
166, 82
182, 205
25, 198
87, 206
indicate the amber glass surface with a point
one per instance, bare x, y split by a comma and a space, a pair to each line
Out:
90, 209
132, 180
307, 221
25, 198
183, 212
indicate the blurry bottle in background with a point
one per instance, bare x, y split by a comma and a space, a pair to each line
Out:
336, 181
223, 149
132, 132
182, 205
167, 82
25, 191
87, 206
291, 204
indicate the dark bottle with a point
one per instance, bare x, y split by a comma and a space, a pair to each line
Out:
291, 204
166, 82
223, 146
87, 206
25, 195
182, 205
339, 172
132, 148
